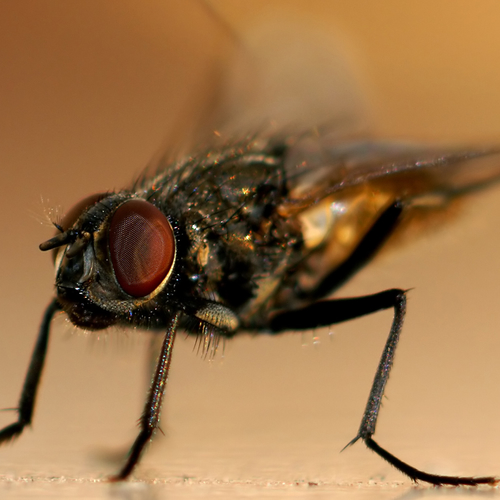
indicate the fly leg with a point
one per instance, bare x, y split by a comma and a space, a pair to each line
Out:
29, 391
328, 312
150, 418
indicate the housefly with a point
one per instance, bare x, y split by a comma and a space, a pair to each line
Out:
249, 236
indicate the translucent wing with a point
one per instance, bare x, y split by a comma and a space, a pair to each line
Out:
319, 167
339, 188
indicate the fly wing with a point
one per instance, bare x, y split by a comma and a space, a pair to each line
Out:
338, 190
322, 167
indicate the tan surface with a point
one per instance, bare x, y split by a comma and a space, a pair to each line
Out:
86, 93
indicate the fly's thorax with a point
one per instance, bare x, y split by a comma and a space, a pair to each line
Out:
241, 263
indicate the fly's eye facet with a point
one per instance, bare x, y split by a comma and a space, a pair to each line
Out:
74, 213
142, 247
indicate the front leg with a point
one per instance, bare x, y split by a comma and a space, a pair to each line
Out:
26, 405
328, 312
150, 418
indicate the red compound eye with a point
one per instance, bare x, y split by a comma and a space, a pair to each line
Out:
72, 215
142, 247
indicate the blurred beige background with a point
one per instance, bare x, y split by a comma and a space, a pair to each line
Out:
89, 91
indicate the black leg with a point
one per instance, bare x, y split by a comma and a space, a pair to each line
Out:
30, 388
151, 416
328, 312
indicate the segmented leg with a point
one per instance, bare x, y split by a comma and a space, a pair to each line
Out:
328, 312
150, 418
27, 400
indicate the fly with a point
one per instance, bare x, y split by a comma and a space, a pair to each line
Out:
251, 236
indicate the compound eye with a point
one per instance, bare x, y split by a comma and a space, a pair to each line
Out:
74, 213
142, 247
